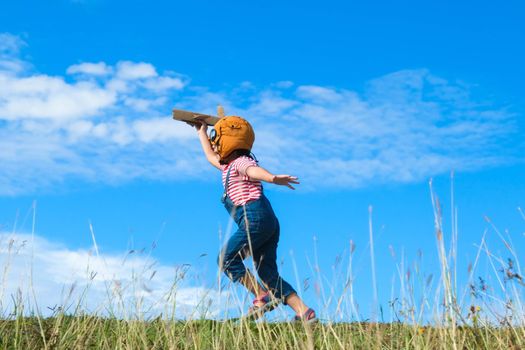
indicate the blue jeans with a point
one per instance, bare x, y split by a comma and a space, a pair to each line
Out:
257, 235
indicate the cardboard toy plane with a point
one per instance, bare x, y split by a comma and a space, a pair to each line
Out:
191, 117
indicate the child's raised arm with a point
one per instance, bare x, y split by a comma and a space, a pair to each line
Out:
261, 174
211, 156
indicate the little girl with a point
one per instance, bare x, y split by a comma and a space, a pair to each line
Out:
229, 149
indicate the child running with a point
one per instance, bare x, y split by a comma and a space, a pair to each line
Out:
228, 148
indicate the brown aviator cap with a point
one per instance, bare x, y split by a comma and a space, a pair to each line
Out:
232, 133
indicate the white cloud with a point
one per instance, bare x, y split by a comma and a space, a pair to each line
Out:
97, 69
130, 70
79, 129
318, 93
10, 46
123, 282
144, 104
270, 104
164, 83
404, 127
161, 129
41, 96
52, 97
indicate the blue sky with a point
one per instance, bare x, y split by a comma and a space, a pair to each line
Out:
365, 102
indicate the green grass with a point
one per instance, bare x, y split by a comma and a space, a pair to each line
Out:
432, 313
83, 332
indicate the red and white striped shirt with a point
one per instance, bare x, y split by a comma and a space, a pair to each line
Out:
241, 189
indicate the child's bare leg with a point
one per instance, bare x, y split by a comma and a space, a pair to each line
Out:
250, 282
296, 304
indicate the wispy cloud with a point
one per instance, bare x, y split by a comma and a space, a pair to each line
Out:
10, 46
101, 122
99, 68
35, 270
404, 127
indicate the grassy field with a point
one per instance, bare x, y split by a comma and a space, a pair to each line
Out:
425, 313
82, 332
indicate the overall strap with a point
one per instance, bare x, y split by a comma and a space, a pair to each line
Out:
225, 194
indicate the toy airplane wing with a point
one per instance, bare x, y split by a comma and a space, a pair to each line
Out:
191, 117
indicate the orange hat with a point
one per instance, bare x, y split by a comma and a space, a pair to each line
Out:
232, 133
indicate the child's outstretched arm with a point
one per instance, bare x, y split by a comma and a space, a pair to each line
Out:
211, 156
261, 174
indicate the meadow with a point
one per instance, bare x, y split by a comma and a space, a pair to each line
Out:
426, 312
90, 332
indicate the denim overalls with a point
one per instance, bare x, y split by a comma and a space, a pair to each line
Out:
257, 235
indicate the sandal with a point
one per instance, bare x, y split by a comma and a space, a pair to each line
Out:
261, 306
307, 317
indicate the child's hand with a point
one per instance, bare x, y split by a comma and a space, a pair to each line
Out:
199, 125
285, 180
202, 126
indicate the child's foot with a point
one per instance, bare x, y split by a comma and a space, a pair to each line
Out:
307, 317
261, 306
